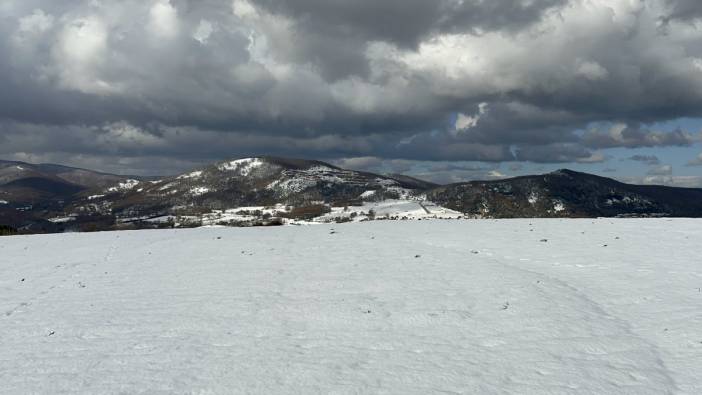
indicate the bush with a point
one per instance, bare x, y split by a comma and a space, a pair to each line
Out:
308, 212
7, 230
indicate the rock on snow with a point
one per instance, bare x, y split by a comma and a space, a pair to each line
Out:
384, 307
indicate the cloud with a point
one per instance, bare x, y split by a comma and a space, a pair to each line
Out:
365, 163
622, 135
696, 161
663, 170
554, 153
163, 20
673, 181
203, 32
592, 70
455, 81
465, 122
686, 10
646, 159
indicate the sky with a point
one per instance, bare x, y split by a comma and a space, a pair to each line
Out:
448, 90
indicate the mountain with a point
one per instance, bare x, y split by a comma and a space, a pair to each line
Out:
272, 190
250, 182
31, 192
567, 193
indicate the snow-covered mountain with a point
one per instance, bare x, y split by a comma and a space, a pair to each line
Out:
272, 190
249, 182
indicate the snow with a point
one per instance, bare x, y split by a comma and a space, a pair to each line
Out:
243, 166
390, 208
367, 194
168, 186
293, 185
298, 180
124, 186
479, 306
195, 174
626, 200
62, 220
4, 202
533, 198
241, 214
197, 191
558, 206
93, 197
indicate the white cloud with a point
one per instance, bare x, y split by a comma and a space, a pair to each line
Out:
37, 22
465, 122
244, 9
596, 157
163, 19
663, 170
78, 54
592, 71
203, 32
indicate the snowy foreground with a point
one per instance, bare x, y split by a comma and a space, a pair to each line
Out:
469, 306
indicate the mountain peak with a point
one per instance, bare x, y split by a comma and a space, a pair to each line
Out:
565, 172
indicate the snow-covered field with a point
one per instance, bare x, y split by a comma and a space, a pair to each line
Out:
468, 306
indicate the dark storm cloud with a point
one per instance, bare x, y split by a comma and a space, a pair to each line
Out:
555, 153
636, 137
333, 33
684, 10
441, 80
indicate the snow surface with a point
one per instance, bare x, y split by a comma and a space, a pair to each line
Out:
475, 306
240, 214
4, 202
391, 208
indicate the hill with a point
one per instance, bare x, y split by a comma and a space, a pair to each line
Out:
567, 193
273, 191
